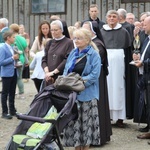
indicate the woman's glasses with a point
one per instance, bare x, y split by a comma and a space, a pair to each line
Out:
78, 38
54, 30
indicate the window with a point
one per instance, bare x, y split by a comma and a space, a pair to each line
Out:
48, 6
134, 1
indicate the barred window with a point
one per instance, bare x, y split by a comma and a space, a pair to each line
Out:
48, 6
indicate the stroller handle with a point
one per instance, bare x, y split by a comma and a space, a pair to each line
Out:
35, 119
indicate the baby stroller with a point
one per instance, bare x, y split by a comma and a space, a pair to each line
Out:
63, 102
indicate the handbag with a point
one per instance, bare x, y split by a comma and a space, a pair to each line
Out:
18, 63
72, 82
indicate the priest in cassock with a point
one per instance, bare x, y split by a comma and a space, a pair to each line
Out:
130, 69
117, 41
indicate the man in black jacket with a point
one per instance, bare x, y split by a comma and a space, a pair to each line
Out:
93, 15
140, 117
143, 63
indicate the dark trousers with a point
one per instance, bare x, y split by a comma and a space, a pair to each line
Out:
37, 83
147, 77
8, 91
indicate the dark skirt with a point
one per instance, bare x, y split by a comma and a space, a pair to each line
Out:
26, 72
85, 130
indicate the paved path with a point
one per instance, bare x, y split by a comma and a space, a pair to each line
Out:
122, 139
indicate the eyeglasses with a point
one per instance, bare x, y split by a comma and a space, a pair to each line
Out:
54, 30
78, 39
130, 18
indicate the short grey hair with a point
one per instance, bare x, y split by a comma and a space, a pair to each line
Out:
112, 12
145, 13
122, 12
4, 21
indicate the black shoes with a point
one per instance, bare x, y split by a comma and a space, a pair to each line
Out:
9, 116
6, 116
146, 129
13, 113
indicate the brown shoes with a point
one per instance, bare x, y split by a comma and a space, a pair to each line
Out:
144, 136
120, 124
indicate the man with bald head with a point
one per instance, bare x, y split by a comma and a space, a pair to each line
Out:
143, 63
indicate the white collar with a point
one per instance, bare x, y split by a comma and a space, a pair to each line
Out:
57, 39
106, 27
94, 37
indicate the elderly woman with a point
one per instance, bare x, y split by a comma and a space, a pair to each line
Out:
85, 61
56, 51
103, 103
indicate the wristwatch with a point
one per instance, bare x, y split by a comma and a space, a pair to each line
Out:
53, 73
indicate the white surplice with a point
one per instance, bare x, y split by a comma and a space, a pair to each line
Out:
116, 83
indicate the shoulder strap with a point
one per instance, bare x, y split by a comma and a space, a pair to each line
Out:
80, 58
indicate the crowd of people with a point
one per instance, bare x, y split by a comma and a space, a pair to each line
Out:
112, 57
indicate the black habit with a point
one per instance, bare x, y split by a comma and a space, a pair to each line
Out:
130, 74
99, 22
103, 103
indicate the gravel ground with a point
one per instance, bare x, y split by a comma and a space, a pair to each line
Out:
122, 139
